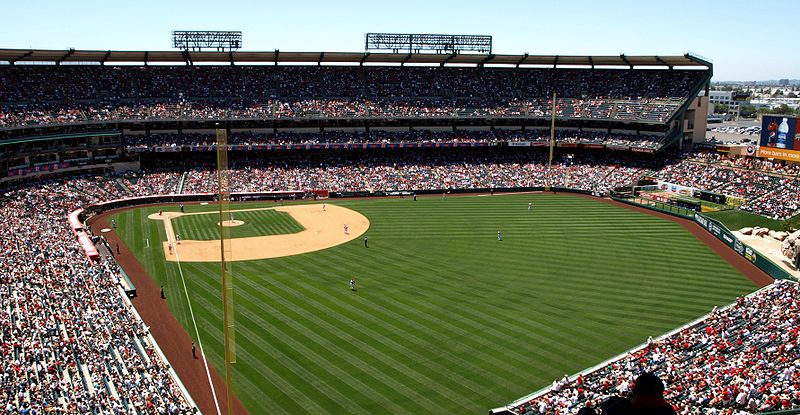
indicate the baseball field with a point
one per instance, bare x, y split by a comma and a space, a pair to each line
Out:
446, 318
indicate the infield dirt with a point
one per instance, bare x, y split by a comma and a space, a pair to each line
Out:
324, 228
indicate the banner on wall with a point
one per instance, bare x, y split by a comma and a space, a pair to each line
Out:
676, 188
780, 154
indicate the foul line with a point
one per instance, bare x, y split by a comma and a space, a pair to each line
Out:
196, 331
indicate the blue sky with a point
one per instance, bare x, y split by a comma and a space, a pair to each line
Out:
734, 34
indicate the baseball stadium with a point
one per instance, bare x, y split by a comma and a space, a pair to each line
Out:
418, 231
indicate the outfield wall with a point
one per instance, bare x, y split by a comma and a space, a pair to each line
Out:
459, 191
722, 233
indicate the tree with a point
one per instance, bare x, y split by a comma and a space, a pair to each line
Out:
783, 109
791, 95
747, 111
720, 109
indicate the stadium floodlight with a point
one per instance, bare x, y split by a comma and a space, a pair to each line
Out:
415, 43
198, 40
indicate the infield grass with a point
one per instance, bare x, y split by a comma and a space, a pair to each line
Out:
446, 319
256, 223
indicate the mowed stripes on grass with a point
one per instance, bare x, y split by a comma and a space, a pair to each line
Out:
205, 227
447, 318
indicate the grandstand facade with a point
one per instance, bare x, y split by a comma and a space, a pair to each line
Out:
73, 108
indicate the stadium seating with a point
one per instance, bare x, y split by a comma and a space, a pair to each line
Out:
139, 143
71, 342
36, 95
769, 188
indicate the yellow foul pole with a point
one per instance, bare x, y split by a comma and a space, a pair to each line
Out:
226, 271
552, 143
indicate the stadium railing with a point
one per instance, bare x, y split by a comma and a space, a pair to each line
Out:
655, 205
458, 191
786, 412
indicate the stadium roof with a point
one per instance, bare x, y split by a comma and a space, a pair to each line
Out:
13, 56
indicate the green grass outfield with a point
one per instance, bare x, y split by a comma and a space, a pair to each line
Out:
737, 219
446, 318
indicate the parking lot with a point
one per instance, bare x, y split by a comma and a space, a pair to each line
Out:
734, 132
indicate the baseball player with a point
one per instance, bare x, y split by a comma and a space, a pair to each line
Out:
499, 236
353, 284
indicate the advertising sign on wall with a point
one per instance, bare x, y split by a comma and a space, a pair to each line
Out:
780, 138
676, 188
780, 154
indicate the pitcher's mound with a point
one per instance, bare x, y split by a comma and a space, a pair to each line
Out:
232, 223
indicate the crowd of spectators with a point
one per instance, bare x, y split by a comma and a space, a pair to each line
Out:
741, 359
74, 83
747, 163
780, 203
768, 187
150, 183
417, 170
68, 94
763, 190
71, 342
139, 143
656, 110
